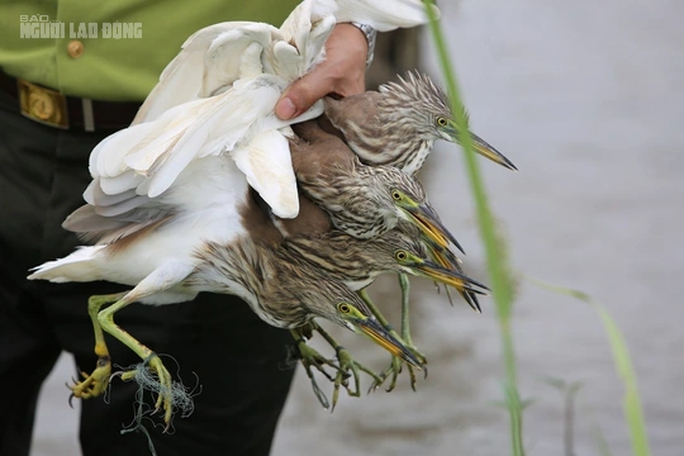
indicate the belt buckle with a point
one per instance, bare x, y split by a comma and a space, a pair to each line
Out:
43, 105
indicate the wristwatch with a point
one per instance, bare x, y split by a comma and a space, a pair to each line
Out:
370, 33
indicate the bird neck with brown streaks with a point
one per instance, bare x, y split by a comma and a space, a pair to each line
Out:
356, 198
381, 148
404, 128
391, 141
356, 262
281, 288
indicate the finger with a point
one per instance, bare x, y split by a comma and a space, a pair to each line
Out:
342, 73
303, 94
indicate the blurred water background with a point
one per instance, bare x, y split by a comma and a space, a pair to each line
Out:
587, 99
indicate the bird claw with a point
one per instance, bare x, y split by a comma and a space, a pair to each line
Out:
348, 368
165, 395
310, 357
163, 385
395, 368
92, 385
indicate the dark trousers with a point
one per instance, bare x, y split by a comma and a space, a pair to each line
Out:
239, 360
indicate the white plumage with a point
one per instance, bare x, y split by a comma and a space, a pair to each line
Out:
148, 157
207, 208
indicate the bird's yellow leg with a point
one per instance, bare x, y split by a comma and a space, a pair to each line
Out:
346, 364
394, 368
106, 319
311, 357
405, 286
363, 294
95, 384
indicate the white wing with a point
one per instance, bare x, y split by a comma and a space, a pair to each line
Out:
207, 62
267, 165
213, 58
148, 157
182, 77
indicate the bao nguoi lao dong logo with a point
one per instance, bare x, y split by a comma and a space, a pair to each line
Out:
41, 27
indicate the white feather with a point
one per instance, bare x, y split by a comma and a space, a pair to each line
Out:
182, 79
267, 165
148, 142
76, 267
121, 183
207, 208
243, 44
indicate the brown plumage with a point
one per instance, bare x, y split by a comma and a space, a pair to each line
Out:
363, 201
357, 262
279, 285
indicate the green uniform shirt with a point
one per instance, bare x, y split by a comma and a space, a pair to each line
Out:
125, 43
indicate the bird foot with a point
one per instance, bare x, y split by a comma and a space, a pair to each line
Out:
345, 368
154, 376
349, 367
95, 384
395, 369
310, 357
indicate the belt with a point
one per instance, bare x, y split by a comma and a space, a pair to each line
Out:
53, 108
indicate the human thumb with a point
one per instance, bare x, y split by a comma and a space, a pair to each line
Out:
302, 95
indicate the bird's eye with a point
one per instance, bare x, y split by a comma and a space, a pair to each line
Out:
400, 255
344, 308
396, 195
441, 121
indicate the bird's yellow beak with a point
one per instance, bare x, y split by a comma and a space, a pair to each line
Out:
374, 330
425, 218
446, 260
447, 276
481, 147
444, 257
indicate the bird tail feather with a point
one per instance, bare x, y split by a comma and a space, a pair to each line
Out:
77, 267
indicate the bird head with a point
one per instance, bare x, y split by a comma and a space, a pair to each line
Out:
409, 254
342, 306
406, 198
426, 108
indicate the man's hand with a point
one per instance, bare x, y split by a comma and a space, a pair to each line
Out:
342, 73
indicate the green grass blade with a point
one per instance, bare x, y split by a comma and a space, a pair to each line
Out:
515, 409
497, 261
623, 365
600, 439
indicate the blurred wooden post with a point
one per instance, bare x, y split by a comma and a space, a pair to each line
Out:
395, 53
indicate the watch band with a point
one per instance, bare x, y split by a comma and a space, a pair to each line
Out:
370, 33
